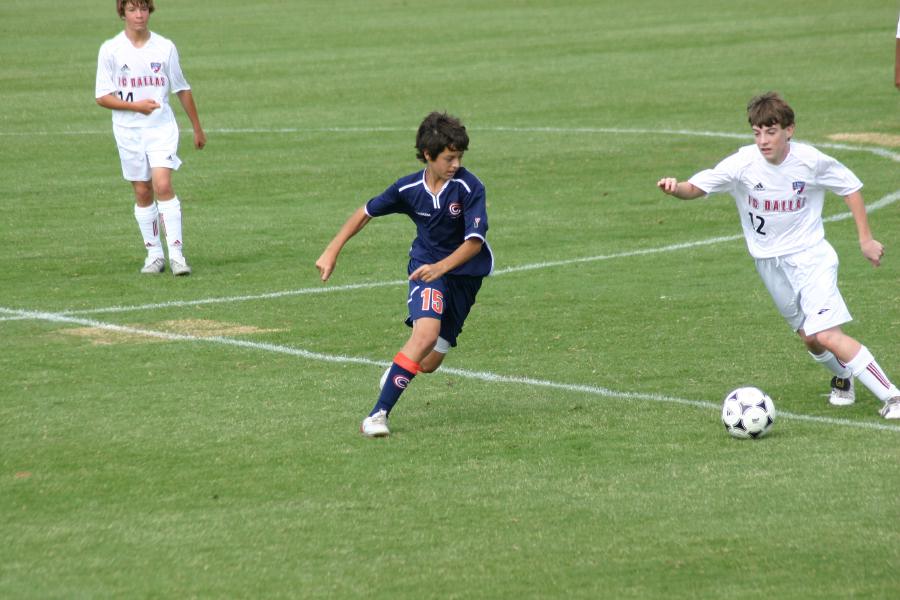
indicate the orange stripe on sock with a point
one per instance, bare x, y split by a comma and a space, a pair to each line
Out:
407, 363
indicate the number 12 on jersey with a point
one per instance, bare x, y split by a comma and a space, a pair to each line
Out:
757, 223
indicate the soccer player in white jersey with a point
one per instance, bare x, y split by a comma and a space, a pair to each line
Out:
448, 259
136, 71
779, 187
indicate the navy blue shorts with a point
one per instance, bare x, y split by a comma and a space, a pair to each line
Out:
448, 299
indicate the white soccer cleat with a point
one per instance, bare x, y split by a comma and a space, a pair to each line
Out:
842, 392
152, 265
179, 266
376, 425
891, 408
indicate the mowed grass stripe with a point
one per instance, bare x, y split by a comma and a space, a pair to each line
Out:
477, 375
881, 203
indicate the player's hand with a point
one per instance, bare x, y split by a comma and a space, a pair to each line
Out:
325, 265
199, 139
668, 185
427, 273
145, 106
873, 251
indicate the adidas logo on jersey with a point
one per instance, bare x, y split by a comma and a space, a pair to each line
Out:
759, 187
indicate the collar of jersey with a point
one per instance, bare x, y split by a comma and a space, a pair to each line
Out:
435, 198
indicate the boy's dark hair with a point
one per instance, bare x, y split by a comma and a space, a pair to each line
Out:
769, 109
440, 131
121, 4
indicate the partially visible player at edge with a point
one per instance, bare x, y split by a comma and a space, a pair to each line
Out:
447, 261
136, 70
779, 187
897, 59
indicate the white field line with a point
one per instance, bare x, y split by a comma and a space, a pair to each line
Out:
528, 267
13, 314
881, 203
877, 150
476, 375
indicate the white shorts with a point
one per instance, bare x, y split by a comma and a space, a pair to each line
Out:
804, 288
143, 148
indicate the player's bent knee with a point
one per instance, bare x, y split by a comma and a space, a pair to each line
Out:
812, 344
164, 192
828, 338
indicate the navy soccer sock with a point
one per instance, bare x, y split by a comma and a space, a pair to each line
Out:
400, 374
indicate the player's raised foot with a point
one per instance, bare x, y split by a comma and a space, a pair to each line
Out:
153, 265
891, 408
375, 425
842, 393
179, 266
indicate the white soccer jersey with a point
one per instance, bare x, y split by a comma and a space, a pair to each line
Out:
151, 71
780, 205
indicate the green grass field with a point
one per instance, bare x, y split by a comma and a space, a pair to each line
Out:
198, 437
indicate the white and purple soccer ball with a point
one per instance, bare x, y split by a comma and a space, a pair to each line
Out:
748, 412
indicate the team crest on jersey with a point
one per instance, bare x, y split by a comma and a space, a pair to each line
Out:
799, 186
156, 67
455, 209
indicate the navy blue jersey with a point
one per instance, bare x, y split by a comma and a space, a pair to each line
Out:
443, 222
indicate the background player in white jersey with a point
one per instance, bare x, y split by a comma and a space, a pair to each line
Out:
447, 260
779, 187
136, 71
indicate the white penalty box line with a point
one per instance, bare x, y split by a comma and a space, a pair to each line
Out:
476, 375
889, 199
881, 203
66, 316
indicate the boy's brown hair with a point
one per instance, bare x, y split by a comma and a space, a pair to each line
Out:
121, 4
440, 131
769, 109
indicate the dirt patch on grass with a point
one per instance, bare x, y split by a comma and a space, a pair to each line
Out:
193, 327
879, 139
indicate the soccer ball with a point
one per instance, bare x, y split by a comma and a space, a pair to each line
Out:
748, 412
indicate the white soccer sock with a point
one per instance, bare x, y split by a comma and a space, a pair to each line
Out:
147, 218
867, 371
170, 211
830, 362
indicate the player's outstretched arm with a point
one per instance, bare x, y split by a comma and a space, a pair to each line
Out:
871, 248
113, 102
680, 189
328, 259
190, 109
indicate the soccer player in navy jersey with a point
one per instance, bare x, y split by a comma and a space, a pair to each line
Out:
447, 261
